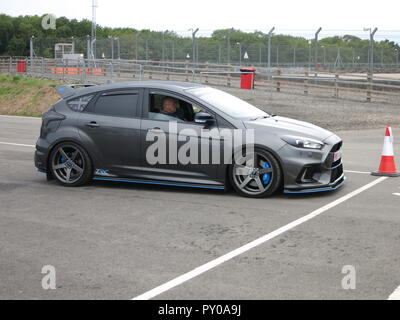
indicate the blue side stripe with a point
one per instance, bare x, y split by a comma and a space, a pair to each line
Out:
314, 191
158, 183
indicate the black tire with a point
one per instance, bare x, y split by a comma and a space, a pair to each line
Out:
70, 165
246, 179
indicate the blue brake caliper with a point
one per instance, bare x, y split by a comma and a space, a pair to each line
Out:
266, 177
62, 159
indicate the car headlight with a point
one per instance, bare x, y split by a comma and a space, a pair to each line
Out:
303, 142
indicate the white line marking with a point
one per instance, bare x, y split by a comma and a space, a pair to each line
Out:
395, 295
18, 144
396, 194
232, 254
352, 171
21, 117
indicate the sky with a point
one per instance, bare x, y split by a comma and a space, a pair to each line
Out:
289, 17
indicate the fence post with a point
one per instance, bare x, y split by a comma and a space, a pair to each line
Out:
278, 82
306, 83
111, 70
228, 80
369, 86
187, 73
10, 65
132, 67
336, 86
206, 71
63, 70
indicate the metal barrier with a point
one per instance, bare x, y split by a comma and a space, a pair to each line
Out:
291, 81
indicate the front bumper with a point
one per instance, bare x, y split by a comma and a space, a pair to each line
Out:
312, 189
309, 171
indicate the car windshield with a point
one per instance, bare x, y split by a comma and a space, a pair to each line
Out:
228, 103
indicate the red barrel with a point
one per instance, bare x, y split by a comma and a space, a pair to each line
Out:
21, 66
247, 78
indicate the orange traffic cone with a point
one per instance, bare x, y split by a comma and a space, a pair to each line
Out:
387, 166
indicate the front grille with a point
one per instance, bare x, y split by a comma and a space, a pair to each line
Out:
330, 163
337, 167
336, 163
336, 173
309, 174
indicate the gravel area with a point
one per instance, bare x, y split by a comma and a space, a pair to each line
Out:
327, 112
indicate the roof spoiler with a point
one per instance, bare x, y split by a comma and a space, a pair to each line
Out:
68, 90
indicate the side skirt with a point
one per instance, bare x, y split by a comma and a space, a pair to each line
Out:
154, 182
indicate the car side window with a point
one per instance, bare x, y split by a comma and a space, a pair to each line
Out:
117, 104
164, 107
79, 104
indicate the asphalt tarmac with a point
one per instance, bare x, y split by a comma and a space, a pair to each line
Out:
119, 241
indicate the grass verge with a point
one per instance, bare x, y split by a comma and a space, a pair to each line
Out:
25, 96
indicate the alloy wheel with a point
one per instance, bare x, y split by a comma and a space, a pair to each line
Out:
68, 164
253, 173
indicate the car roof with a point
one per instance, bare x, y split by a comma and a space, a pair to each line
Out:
166, 85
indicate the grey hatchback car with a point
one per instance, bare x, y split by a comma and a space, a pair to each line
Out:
109, 132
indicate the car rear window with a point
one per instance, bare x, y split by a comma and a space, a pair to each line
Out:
117, 105
79, 104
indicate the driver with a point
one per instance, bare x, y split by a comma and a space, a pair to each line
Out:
169, 108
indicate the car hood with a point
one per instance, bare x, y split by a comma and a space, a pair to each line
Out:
286, 126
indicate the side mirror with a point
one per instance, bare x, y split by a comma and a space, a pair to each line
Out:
203, 118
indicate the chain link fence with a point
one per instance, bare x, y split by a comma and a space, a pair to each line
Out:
164, 48
353, 86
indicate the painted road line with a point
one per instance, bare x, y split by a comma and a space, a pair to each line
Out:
18, 144
353, 171
20, 117
232, 254
395, 295
396, 194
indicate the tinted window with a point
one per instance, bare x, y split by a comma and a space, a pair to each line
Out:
228, 103
119, 105
80, 103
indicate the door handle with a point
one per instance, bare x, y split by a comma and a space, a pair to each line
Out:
155, 130
92, 124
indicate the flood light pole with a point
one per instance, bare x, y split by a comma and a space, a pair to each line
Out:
269, 46
137, 46
118, 47
316, 48
371, 48
112, 46
94, 27
31, 53
229, 45
194, 44
73, 44
240, 53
